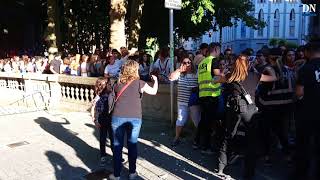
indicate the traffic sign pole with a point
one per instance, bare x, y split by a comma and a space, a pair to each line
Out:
171, 5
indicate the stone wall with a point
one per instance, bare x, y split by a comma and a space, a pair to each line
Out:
71, 93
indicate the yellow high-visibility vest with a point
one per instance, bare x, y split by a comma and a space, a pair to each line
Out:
205, 80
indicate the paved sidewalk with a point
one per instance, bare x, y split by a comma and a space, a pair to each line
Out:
65, 146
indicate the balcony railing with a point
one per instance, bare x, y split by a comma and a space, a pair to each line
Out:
70, 93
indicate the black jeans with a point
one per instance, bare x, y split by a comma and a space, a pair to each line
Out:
209, 119
276, 120
105, 131
307, 143
230, 125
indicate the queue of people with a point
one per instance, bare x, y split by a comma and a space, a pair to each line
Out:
213, 91
274, 112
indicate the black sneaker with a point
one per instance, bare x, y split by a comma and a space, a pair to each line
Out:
233, 158
175, 142
267, 161
207, 151
195, 145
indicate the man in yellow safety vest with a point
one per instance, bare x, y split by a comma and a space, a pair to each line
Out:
209, 92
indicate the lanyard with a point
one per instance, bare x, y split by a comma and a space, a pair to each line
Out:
165, 67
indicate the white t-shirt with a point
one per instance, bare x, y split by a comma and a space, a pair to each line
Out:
120, 62
113, 70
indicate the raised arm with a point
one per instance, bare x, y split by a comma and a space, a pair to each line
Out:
270, 77
218, 76
175, 75
151, 90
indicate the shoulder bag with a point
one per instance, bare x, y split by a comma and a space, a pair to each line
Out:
113, 98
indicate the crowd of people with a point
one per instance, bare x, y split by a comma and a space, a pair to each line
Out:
99, 64
232, 116
248, 104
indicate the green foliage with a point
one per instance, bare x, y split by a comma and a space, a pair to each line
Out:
199, 9
229, 12
85, 24
282, 42
192, 21
273, 42
291, 45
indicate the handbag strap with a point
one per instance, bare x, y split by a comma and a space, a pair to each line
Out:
243, 91
122, 90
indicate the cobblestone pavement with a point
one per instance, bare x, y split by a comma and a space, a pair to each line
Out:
54, 145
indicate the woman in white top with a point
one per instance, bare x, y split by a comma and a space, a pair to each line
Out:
83, 65
112, 70
187, 83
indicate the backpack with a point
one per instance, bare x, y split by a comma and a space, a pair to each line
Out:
242, 103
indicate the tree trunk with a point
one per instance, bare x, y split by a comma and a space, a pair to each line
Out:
51, 29
117, 24
134, 23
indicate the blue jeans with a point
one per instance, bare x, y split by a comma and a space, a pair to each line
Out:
120, 126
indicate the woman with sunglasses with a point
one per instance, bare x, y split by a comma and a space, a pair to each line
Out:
187, 83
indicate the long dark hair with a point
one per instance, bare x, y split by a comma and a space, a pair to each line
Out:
148, 59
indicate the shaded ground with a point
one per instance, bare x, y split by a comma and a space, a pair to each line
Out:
65, 146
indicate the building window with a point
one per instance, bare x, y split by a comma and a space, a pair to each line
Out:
243, 30
261, 1
276, 1
276, 23
260, 18
292, 15
292, 23
292, 1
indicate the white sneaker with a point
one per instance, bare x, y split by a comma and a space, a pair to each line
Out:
112, 177
133, 176
103, 161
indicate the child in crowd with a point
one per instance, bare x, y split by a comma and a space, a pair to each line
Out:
101, 118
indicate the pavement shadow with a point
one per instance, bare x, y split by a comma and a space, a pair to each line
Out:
151, 149
87, 154
162, 136
184, 167
62, 169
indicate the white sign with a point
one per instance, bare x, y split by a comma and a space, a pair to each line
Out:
173, 4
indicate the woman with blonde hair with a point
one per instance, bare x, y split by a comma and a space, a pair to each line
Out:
239, 111
127, 115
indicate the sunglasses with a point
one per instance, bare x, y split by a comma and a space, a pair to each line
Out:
186, 62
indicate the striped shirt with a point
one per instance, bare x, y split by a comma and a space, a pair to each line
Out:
185, 85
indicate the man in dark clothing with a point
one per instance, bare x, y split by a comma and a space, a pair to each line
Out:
307, 119
55, 64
